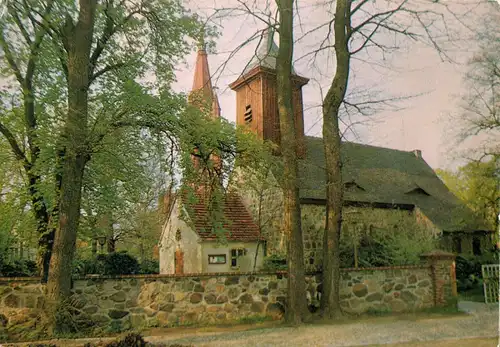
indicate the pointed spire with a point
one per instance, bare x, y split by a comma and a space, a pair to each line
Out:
202, 79
267, 51
215, 104
203, 92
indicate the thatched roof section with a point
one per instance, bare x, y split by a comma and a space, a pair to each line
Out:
378, 175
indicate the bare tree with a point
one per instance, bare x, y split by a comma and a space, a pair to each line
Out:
358, 26
296, 299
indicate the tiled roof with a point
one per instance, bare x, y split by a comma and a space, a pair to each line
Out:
238, 221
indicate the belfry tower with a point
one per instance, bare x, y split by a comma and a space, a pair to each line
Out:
256, 98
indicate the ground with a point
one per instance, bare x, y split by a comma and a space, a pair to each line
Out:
478, 327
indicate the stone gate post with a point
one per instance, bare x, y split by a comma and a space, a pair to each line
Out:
444, 280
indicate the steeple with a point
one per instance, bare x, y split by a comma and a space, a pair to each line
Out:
267, 52
256, 97
202, 93
203, 96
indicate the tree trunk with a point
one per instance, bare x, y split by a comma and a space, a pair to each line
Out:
78, 40
330, 299
296, 300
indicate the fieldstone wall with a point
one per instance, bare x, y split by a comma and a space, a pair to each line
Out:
171, 300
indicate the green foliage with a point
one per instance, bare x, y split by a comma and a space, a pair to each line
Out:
150, 267
120, 263
19, 268
130, 120
275, 262
89, 266
469, 271
476, 184
113, 264
384, 237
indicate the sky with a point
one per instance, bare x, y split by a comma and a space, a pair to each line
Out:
428, 87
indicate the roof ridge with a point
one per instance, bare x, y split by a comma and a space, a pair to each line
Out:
365, 145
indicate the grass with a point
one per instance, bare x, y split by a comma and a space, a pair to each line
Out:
476, 342
475, 294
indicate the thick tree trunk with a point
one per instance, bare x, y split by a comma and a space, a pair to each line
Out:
78, 40
296, 300
330, 304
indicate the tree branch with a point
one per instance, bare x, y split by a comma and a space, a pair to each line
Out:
18, 152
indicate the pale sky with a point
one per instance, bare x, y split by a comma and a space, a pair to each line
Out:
421, 122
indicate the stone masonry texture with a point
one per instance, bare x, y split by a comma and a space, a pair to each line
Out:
169, 300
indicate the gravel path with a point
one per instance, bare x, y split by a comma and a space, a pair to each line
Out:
482, 321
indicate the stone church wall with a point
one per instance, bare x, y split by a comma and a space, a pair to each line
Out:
264, 199
171, 300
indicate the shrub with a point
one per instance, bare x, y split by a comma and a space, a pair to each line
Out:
274, 262
19, 268
469, 270
94, 266
150, 267
120, 263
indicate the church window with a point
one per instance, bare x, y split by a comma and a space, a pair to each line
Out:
235, 254
248, 114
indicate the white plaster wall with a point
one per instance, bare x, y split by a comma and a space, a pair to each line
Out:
245, 262
189, 244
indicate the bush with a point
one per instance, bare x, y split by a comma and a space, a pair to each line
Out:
469, 270
120, 263
275, 262
150, 267
94, 266
19, 268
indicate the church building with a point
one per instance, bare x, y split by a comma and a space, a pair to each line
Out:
384, 188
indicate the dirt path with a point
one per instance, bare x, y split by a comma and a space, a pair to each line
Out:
482, 321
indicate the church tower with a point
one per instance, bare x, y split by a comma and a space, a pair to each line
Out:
256, 98
202, 95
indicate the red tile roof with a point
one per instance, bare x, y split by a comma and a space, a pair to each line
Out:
238, 220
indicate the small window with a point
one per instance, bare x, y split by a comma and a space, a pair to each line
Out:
217, 259
476, 245
418, 191
178, 236
457, 244
248, 114
235, 254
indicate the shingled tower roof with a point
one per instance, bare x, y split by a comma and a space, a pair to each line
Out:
202, 89
267, 52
